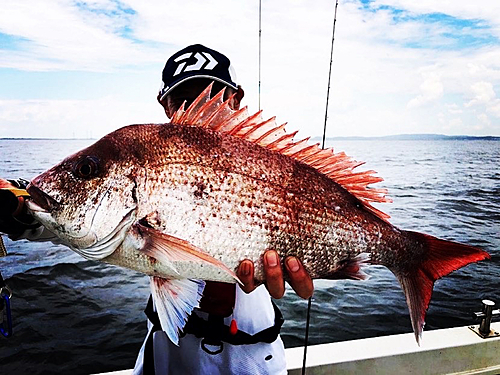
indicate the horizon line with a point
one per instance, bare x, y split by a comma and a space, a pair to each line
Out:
402, 135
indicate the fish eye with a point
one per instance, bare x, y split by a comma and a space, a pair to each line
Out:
87, 167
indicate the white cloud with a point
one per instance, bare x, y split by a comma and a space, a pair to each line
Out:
454, 109
485, 100
486, 10
495, 109
380, 85
451, 124
483, 93
484, 119
431, 89
61, 35
72, 118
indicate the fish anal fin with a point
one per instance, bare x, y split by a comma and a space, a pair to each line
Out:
175, 299
169, 249
441, 258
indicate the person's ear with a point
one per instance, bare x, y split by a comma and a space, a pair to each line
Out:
167, 112
237, 98
166, 107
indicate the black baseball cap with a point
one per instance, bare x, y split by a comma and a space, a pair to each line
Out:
196, 61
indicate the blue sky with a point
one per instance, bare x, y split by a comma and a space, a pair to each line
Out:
74, 68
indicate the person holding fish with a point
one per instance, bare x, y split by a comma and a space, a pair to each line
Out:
186, 202
224, 335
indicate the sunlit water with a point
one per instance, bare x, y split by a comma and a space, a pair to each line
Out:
76, 316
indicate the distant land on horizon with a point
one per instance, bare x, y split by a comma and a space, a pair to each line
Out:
414, 137
397, 137
46, 139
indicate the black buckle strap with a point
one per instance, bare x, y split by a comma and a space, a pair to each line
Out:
148, 367
215, 331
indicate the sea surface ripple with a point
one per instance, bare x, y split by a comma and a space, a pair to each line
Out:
76, 316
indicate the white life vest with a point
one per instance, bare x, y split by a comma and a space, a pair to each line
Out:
253, 313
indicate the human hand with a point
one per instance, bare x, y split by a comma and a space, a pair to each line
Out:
300, 280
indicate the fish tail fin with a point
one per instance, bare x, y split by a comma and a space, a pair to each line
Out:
441, 258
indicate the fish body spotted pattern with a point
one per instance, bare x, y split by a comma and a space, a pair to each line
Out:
235, 200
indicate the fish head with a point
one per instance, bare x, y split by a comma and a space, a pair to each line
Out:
89, 199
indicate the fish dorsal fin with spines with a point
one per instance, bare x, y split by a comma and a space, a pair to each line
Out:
216, 114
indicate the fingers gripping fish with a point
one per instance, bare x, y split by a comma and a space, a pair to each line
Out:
189, 200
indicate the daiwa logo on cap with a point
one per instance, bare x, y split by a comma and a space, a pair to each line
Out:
196, 61
201, 59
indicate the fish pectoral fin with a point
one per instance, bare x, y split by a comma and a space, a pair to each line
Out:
169, 249
175, 300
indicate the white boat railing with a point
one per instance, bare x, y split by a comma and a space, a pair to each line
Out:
444, 351
456, 351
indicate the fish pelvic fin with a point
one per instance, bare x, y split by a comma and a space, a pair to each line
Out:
216, 114
441, 258
169, 249
351, 269
175, 300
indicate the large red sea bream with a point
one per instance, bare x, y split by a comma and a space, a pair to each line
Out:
188, 201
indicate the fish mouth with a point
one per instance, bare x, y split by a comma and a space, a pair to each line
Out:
34, 207
44, 202
107, 245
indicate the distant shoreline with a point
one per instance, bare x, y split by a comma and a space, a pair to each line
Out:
397, 137
47, 139
415, 137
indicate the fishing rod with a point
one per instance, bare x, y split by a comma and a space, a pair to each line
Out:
329, 73
309, 302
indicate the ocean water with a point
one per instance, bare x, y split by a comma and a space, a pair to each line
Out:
76, 316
